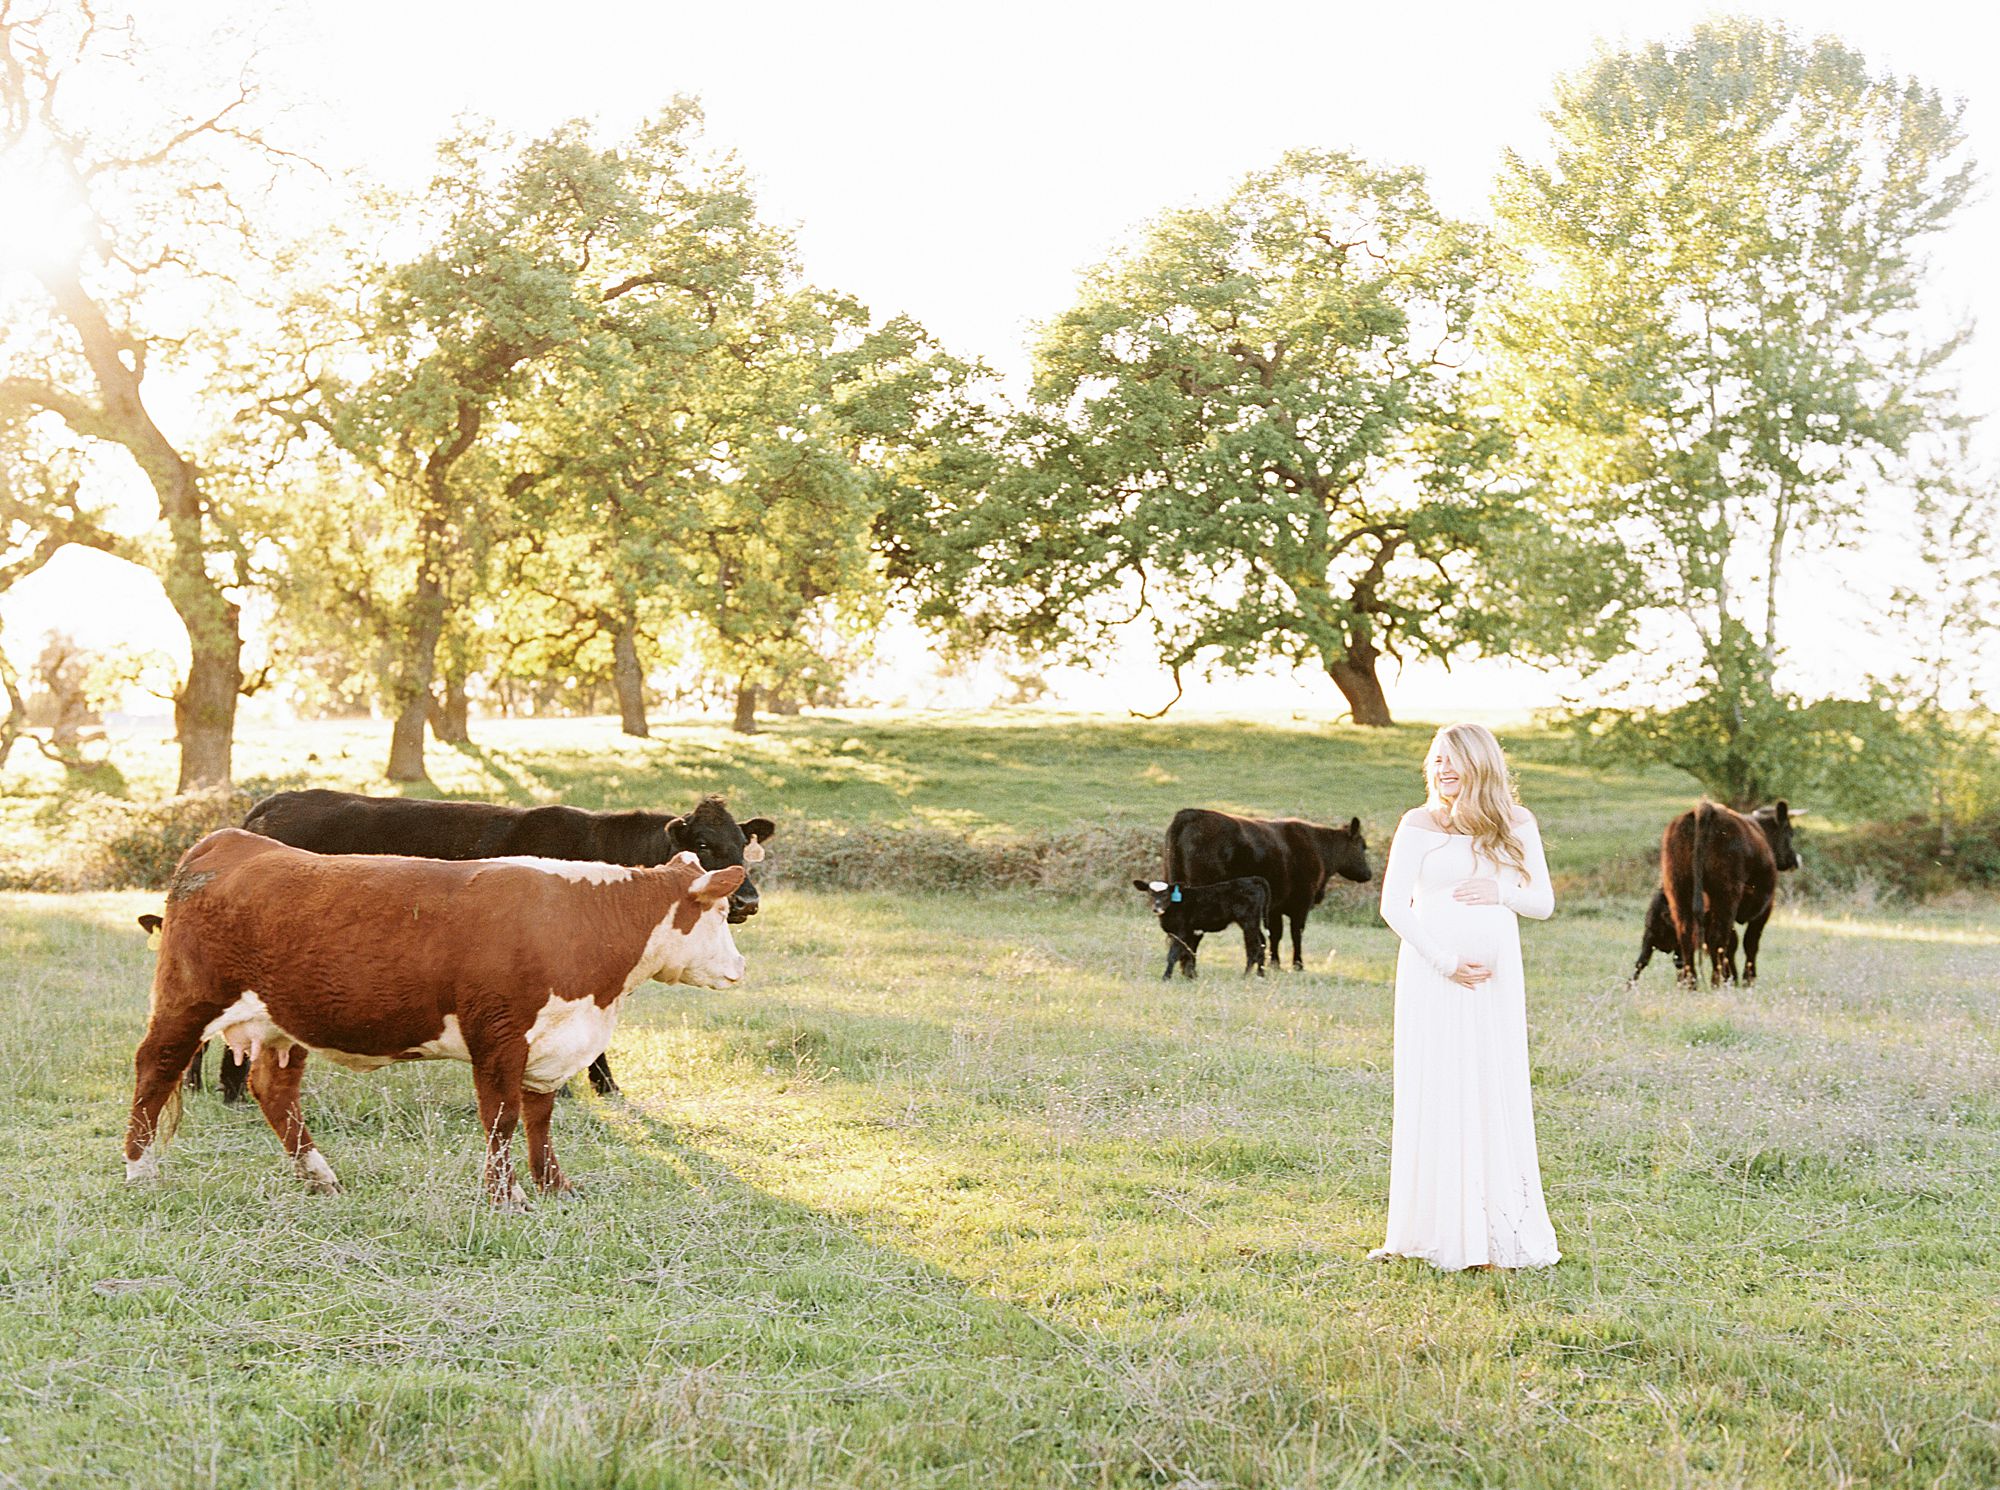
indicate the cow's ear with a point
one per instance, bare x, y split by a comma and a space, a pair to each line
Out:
1142, 886
759, 828
676, 829
1354, 826
1784, 810
718, 884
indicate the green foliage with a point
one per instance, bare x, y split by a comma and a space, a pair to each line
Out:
1711, 343
1855, 757
546, 268
108, 840
1254, 426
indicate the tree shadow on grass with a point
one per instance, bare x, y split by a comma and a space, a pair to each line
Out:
1028, 1399
496, 768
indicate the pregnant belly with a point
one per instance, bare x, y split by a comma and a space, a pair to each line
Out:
1474, 933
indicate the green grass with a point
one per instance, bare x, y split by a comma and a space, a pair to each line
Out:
1001, 774
954, 1193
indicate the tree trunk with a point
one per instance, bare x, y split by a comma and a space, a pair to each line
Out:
629, 679
205, 708
411, 685
17, 713
451, 717
746, 709
1354, 676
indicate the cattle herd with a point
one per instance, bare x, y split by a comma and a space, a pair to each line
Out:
377, 930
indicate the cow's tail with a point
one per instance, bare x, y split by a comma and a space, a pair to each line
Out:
168, 1123
1704, 816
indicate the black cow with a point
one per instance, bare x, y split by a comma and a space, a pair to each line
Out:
329, 822
1719, 870
1659, 935
1186, 911
1296, 858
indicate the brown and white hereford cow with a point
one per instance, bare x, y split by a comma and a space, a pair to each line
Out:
514, 965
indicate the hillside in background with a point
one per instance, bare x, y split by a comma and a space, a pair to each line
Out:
1094, 784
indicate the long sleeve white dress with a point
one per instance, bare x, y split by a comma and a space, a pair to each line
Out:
1465, 1183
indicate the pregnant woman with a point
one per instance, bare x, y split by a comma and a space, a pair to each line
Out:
1465, 1187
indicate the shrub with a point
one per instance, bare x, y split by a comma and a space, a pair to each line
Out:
107, 843
1098, 859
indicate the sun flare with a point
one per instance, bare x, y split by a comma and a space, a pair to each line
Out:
42, 219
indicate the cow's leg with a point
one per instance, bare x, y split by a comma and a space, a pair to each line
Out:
1645, 956
1298, 941
535, 1110
233, 1076
497, 1076
1253, 946
601, 1080
1189, 948
1173, 958
172, 1034
1727, 947
1689, 939
275, 1078
192, 1080
1716, 937
1753, 937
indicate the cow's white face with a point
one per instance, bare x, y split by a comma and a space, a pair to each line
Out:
705, 954
712, 960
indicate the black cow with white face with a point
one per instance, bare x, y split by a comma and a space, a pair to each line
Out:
330, 822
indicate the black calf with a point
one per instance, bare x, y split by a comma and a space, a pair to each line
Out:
1660, 935
1186, 911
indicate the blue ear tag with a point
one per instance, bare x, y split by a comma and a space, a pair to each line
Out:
1175, 898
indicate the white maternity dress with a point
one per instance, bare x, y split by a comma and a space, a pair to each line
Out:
1465, 1185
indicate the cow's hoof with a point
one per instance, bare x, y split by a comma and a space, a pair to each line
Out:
317, 1173
609, 1089
516, 1203
143, 1169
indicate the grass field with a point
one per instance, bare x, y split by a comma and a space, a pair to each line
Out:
953, 1192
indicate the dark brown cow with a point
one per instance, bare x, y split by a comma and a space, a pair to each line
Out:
516, 966
1719, 870
1297, 859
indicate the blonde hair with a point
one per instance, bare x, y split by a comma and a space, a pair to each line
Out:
1483, 810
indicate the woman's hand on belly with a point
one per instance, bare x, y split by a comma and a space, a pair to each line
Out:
1471, 974
1476, 892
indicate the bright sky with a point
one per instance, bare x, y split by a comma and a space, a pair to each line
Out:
962, 162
